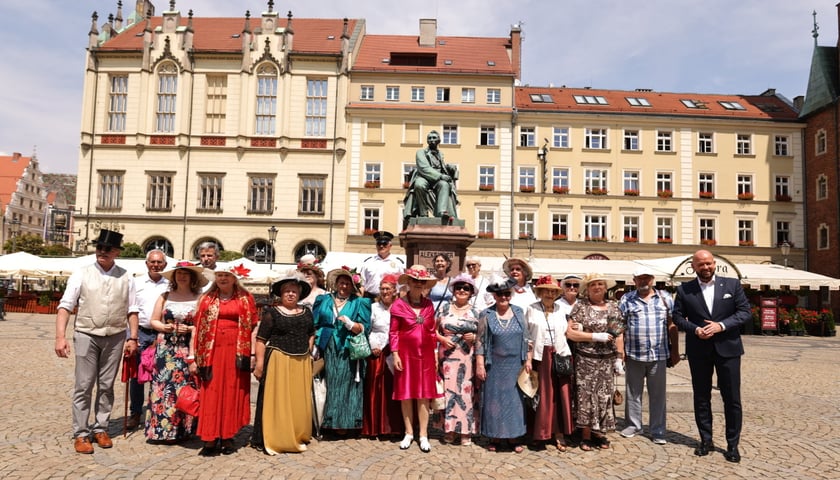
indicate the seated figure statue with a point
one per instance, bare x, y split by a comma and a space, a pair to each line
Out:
431, 190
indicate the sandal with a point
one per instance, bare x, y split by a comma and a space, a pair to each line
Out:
560, 446
601, 442
492, 447
586, 445
518, 449
466, 441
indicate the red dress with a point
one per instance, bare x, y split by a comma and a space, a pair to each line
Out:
415, 340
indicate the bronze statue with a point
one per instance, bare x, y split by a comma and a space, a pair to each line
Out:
431, 190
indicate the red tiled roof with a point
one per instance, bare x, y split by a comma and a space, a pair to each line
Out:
661, 103
467, 54
222, 34
11, 169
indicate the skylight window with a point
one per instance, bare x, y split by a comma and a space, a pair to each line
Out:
541, 98
732, 105
694, 103
638, 101
591, 100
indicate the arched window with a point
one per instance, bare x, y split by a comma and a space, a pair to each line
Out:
203, 240
266, 100
166, 98
308, 247
159, 243
259, 251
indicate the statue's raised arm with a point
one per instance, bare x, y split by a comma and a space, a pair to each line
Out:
431, 192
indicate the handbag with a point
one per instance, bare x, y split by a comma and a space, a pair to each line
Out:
358, 346
618, 397
147, 364
563, 365
438, 403
188, 400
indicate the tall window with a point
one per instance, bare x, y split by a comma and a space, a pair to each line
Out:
486, 222
261, 194
631, 229
664, 141
782, 232
373, 173
266, 100
632, 184
743, 144
442, 94
822, 187
316, 108
392, 93
467, 95
486, 177
560, 180
527, 178
706, 184
210, 192
822, 237
366, 93
450, 135
745, 185
664, 229
407, 171
782, 187
418, 94
494, 95
166, 98
560, 137
595, 228
705, 143
110, 190
595, 181
371, 219
216, 106
160, 191
526, 224
559, 226
117, 104
820, 142
527, 136
595, 138
631, 139
707, 230
664, 183
312, 194
781, 145
745, 233
487, 135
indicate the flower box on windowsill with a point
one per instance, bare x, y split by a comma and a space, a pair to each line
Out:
485, 235
372, 184
486, 188
526, 189
631, 239
597, 191
560, 190
560, 237
596, 239
746, 196
664, 240
664, 194
406, 184
631, 192
746, 243
523, 236
711, 242
783, 198
370, 231
707, 195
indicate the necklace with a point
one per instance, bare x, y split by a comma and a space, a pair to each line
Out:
504, 323
225, 298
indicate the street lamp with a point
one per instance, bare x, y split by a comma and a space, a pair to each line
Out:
14, 229
785, 248
530, 239
272, 237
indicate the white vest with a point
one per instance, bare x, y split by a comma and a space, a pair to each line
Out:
103, 302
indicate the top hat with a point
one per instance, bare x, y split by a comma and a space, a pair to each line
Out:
109, 238
382, 236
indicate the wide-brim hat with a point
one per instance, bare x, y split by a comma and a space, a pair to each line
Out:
529, 383
525, 267
418, 272
336, 273
498, 284
305, 288
592, 277
547, 282
197, 270
309, 262
462, 278
239, 272
109, 238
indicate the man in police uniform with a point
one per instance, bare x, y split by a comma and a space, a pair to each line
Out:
375, 267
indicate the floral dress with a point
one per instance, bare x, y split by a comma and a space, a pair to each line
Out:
457, 369
163, 421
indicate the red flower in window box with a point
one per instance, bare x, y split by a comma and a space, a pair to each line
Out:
664, 240
711, 242
664, 193
523, 236
707, 194
631, 239
631, 192
370, 231
372, 184
746, 196
745, 243
560, 236
485, 234
596, 239
487, 187
406, 184
783, 198
526, 188
596, 191
561, 190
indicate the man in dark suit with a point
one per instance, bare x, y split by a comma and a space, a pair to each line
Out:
711, 311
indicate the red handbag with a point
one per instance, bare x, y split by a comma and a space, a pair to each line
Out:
187, 400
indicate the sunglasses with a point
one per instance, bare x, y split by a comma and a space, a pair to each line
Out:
470, 265
104, 248
504, 294
572, 285
463, 287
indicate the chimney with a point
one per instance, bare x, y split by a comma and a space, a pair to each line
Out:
428, 32
16, 157
516, 50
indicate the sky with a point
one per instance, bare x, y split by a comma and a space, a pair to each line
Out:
686, 46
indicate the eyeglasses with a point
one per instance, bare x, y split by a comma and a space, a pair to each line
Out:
504, 294
104, 248
382, 244
463, 287
470, 265
572, 285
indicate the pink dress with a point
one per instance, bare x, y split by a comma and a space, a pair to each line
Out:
413, 337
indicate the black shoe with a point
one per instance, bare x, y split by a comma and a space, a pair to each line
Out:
704, 448
227, 447
208, 450
732, 455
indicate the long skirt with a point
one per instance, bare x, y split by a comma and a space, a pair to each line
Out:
343, 408
225, 401
382, 414
553, 416
459, 410
502, 408
595, 386
163, 421
287, 403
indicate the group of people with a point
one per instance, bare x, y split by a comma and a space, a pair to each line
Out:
398, 350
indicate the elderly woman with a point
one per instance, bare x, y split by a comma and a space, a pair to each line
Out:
457, 327
313, 274
338, 315
571, 288
413, 343
547, 331
225, 319
596, 328
285, 339
440, 292
500, 352
172, 318
520, 271
382, 415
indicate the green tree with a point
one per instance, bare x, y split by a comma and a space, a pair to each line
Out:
56, 250
229, 255
132, 250
27, 242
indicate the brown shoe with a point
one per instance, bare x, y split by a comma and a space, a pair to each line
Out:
103, 440
83, 445
133, 421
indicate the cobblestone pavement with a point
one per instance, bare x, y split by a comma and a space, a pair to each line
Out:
791, 425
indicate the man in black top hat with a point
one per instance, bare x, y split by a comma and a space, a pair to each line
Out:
376, 266
104, 294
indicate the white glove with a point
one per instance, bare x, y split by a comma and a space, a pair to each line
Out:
602, 337
315, 353
348, 324
618, 367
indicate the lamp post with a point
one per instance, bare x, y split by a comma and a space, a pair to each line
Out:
785, 248
14, 229
530, 239
272, 237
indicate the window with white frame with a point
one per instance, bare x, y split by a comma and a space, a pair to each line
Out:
366, 93
110, 190
782, 187
266, 100
418, 94
560, 137
486, 177
159, 192
822, 187
707, 230
316, 108
442, 94
631, 140
664, 229
630, 226
595, 181
706, 184
664, 141
664, 183
782, 232
632, 184
744, 185
590, 100
559, 226
526, 224
467, 95
560, 180
745, 233
215, 108
595, 228
373, 174
166, 98
638, 101
450, 135
261, 193
486, 223
392, 93
494, 95
822, 237
705, 142
312, 194
595, 138
527, 136
527, 178
487, 136
117, 103
407, 171
371, 219
210, 192
781, 145
820, 142
743, 144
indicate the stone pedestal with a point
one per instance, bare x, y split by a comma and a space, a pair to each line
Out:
424, 238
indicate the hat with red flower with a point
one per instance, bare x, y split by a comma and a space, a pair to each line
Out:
344, 271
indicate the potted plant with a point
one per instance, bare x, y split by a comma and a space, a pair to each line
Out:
560, 236
596, 191
523, 236
406, 184
485, 235
486, 187
710, 242
631, 192
780, 197
370, 231
560, 190
664, 193
707, 195
827, 319
746, 196
43, 303
746, 243
628, 239
596, 239
664, 240
372, 184
526, 188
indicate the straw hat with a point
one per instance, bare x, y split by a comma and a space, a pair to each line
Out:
592, 277
546, 282
526, 269
198, 271
462, 278
529, 383
418, 272
336, 273
305, 288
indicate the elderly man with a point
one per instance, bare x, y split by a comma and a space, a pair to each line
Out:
376, 266
104, 294
651, 339
208, 255
148, 288
482, 298
711, 310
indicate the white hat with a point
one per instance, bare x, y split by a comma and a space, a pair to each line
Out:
644, 270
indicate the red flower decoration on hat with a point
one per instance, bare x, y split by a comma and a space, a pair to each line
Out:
423, 274
240, 271
547, 280
184, 263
